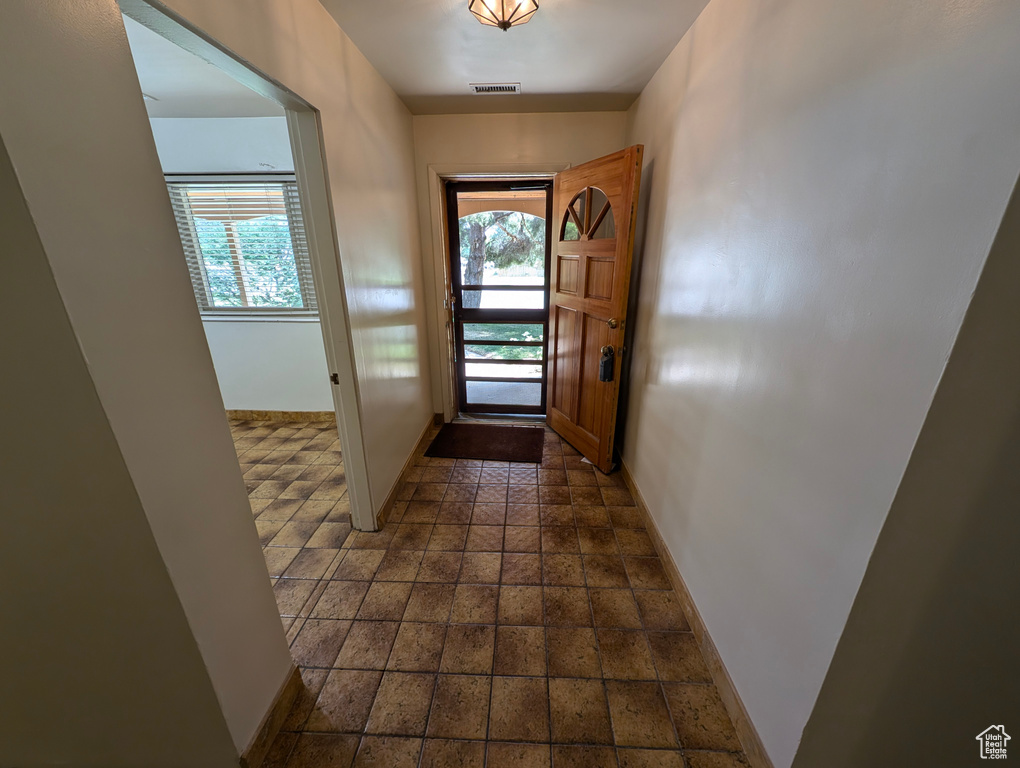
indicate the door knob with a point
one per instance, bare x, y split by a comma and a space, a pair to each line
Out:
612, 322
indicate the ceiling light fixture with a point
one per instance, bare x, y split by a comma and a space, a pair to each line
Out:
503, 13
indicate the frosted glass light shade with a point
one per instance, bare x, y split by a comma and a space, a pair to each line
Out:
503, 13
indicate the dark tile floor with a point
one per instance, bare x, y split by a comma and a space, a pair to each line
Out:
505, 615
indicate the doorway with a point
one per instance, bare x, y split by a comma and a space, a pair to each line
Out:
499, 257
242, 156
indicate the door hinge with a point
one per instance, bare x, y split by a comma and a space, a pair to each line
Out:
335, 378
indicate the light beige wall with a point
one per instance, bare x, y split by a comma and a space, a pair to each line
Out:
369, 148
499, 143
823, 182
98, 663
928, 657
76, 129
78, 136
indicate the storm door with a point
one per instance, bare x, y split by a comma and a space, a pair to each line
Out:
499, 279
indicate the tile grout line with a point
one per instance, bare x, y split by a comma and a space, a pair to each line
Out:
655, 665
545, 641
598, 650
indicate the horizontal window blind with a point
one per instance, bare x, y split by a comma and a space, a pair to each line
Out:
245, 244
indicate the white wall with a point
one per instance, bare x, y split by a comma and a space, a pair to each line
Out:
222, 144
261, 364
270, 365
500, 143
823, 183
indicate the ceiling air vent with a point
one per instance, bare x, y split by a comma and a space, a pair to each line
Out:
495, 88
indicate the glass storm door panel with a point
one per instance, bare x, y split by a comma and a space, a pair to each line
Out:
594, 210
499, 277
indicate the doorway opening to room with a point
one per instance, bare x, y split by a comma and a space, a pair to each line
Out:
499, 256
246, 180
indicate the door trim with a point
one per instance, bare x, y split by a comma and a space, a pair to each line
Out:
313, 183
436, 268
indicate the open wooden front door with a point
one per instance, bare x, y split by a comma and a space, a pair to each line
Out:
594, 213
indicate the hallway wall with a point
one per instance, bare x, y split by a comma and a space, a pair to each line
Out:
98, 663
75, 125
497, 143
928, 657
823, 183
369, 150
74, 122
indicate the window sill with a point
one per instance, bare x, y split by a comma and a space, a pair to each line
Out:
260, 317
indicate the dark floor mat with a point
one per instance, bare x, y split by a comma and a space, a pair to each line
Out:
488, 442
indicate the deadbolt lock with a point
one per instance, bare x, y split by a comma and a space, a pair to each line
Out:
613, 323
606, 364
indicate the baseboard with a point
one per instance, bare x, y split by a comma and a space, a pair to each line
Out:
329, 416
746, 732
253, 756
419, 449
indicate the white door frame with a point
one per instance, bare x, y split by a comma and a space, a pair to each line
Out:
320, 226
438, 174
303, 125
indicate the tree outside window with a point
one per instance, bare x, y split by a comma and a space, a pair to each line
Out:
245, 245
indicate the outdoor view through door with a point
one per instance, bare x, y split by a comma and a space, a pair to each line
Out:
499, 257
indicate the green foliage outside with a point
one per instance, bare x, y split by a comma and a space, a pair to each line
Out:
502, 332
500, 241
267, 254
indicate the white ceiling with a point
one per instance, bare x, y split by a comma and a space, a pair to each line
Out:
573, 55
185, 85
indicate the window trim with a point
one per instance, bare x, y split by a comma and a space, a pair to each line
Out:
248, 313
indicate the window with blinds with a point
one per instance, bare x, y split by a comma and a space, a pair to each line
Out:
245, 244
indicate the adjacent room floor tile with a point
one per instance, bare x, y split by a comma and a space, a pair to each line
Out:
417, 648
460, 709
344, 702
469, 649
445, 753
388, 752
579, 712
402, 704
639, 713
700, 717
501, 755
520, 709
